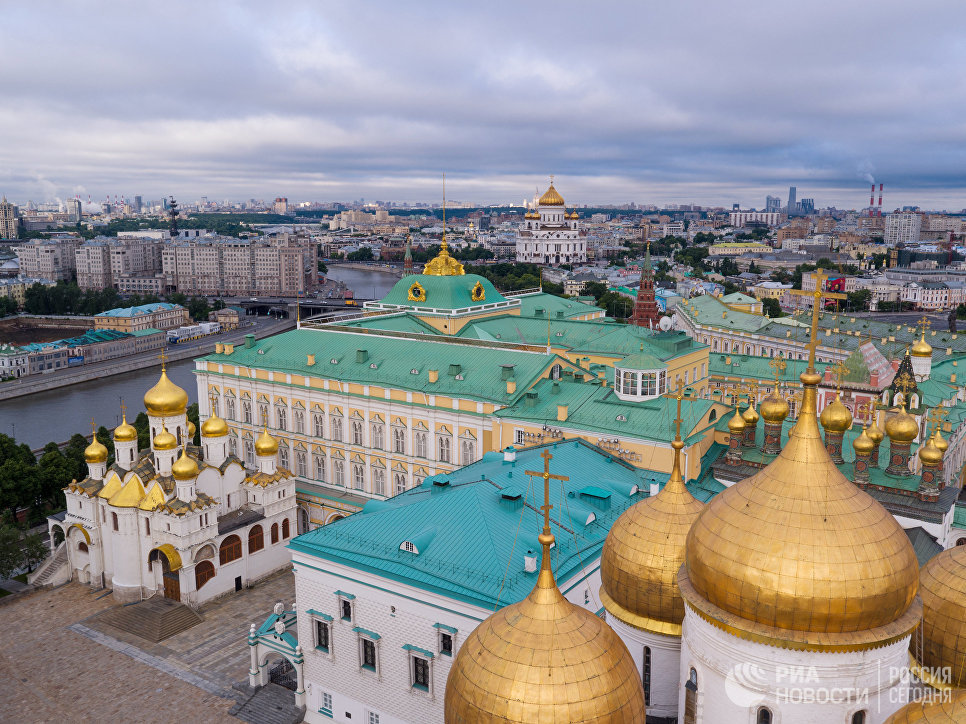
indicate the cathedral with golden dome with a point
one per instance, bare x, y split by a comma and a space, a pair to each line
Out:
549, 233
185, 521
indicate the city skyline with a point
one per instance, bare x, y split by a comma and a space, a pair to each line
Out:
666, 105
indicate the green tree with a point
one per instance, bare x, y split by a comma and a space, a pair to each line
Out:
193, 417
33, 550
858, 301
595, 289
364, 254
11, 557
323, 268
772, 308
616, 305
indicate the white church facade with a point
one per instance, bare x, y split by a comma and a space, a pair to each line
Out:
549, 234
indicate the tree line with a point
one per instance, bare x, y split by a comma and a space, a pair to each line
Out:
68, 298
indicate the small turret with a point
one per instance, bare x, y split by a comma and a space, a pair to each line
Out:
95, 455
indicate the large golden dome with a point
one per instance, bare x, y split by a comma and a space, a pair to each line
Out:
543, 659
266, 444
165, 398
184, 468
96, 452
902, 426
921, 348
214, 426
551, 197
774, 408
125, 432
836, 416
798, 548
942, 636
933, 711
643, 553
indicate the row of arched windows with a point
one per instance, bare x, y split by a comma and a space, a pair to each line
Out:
231, 547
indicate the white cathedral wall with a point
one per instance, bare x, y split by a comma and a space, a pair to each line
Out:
126, 554
736, 677
665, 665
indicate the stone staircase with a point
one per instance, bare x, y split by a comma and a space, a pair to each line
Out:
155, 619
269, 704
53, 571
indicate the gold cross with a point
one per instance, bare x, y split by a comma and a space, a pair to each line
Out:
547, 476
164, 359
93, 427
779, 365
679, 395
904, 384
123, 408
924, 324
817, 295
839, 370
937, 415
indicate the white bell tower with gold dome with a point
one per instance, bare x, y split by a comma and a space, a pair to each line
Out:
800, 593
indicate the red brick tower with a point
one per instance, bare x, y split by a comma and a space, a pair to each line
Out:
645, 308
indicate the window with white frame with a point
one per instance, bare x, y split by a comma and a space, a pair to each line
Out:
233, 445
373, 718
356, 432
444, 639
325, 704
318, 425
346, 603
420, 671
419, 444
378, 481
336, 425
323, 635
300, 466
298, 417
229, 408
519, 437
358, 476
283, 456
445, 447
262, 413
338, 472
281, 417
399, 482
399, 440
368, 654
319, 466
467, 452
247, 411
378, 436
249, 452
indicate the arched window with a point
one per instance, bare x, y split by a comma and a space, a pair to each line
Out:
256, 539
299, 418
249, 452
285, 529
764, 715
337, 428
399, 481
82, 546
378, 481
320, 467
247, 411
646, 675
419, 446
338, 472
858, 717
712, 416
318, 425
961, 542
204, 572
399, 440
467, 452
300, 466
229, 550
378, 436
114, 519
229, 408
283, 456
358, 476
274, 532
445, 448
281, 416
691, 698
356, 433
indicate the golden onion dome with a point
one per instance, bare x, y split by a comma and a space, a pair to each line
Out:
191, 430
184, 468
940, 441
736, 424
933, 710
929, 454
774, 408
574, 215
165, 398
921, 348
214, 426
266, 444
643, 553
902, 426
750, 416
125, 432
836, 416
96, 452
864, 444
942, 636
875, 433
770, 550
543, 659
164, 440
443, 265
551, 197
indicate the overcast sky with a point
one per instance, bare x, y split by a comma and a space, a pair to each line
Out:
650, 102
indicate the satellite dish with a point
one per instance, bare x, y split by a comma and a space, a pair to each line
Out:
665, 324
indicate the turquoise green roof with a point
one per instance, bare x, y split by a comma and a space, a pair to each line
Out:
755, 367
466, 371
478, 531
709, 311
739, 298
543, 305
442, 293
598, 409
398, 322
640, 361
959, 516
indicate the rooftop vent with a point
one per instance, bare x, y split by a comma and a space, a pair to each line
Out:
362, 355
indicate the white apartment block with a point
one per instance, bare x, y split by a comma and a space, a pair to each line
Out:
48, 259
902, 227
740, 218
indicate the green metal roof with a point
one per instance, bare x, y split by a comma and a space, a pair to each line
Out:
738, 298
469, 372
755, 367
640, 361
552, 306
923, 544
398, 322
710, 311
959, 516
445, 293
479, 531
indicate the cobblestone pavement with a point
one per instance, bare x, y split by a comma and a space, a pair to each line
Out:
50, 672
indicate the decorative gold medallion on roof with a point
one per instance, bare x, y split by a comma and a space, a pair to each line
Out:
798, 554
478, 293
417, 293
942, 637
165, 398
644, 551
551, 197
543, 659
443, 265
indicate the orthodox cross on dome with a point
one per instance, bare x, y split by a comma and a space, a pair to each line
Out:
867, 411
93, 429
924, 324
937, 415
678, 396
817, 297
904, 384
123, 408
547, 536
778, 365
839, 370
164, 359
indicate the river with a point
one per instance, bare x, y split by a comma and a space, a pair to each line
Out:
57, 414
364, 283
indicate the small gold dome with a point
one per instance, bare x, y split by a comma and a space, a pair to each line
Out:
165, 398
921, 348
902, 426
191, 431
574, 215
942, 636
214, 426
770, 550
184, 468
543, 659
95, 452
266, 444
750, 416
864, 444
836, 417
736, 424
929, 454
643, 553
933, 710
551, 197
164, 440
125, 432
774, 408
940, 441
875, 433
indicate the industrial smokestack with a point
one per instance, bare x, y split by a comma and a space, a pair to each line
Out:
880, 199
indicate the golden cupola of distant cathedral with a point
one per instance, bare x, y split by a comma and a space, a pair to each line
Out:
551, 197
921, 348
165, 399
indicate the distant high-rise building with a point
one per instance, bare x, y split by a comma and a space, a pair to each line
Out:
9, 220
806, 206
902, 228
137, 204
280, 206
773, 204
792, 205
73, 209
